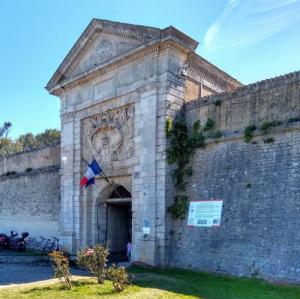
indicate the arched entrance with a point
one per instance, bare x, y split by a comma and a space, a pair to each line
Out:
118, 221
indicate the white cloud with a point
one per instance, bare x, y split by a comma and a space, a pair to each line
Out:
244, 23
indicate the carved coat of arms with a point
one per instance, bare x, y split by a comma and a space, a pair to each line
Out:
111, 135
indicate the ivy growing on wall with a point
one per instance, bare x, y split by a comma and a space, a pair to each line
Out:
182, 146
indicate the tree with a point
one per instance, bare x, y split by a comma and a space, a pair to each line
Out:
48, 137
26, 141
6, 144
4, 129
9, 146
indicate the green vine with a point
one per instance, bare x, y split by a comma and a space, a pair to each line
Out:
182, 146
248, 133
264, 127
210, 124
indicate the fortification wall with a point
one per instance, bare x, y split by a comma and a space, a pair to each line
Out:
30, 192
257, 181
41, 157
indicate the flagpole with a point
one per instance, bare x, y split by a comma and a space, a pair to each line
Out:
102, 174
85, 161
107, 180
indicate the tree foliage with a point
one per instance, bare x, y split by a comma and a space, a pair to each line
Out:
5, 129
9, 146
26, 141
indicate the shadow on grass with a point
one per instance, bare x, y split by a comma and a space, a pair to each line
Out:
210, 286
79, 287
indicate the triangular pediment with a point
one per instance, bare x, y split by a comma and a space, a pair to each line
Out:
104, 41
100, 48
100, 42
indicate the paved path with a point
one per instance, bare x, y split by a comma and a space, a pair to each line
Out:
22, 273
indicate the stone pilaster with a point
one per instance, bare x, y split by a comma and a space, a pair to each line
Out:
144, 182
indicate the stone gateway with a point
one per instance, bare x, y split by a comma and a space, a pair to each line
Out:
117, 87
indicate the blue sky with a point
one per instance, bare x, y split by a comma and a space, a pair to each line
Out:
251, 40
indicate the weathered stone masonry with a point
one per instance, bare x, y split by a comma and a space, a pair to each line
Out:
117, 86
258, 181
118, 74
30, 197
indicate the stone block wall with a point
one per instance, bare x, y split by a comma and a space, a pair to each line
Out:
41, 157
30, 195
257, 181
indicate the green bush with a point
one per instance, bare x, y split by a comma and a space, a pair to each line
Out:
217, 134
269, 140
293, 120
61, 268
8, 173
168, 127
248, 133
218, 103
94, 259
264, 127
179, 207
119, 277
209, 125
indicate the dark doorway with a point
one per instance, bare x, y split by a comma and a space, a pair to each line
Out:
119, 223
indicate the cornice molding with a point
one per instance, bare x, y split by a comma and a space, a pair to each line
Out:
199, 74
135, 54
94, 36
123, 35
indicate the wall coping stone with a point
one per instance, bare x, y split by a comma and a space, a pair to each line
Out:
246, 89
30, 173
27, 151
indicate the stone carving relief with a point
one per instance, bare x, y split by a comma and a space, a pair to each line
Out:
101, 48
110, 135
103, 51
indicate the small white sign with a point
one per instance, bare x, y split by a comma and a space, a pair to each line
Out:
146, 230
205, 213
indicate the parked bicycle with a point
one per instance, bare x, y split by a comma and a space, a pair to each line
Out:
44, 244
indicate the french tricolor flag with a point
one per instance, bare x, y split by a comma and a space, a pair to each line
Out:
89, 178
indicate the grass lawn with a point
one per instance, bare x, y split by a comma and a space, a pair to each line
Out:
168, 283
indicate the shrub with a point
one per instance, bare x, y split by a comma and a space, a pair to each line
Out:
94, 259
179, 207
269, 140
119, 277
218, 103
168, 127
293, 120
209, 125
267, 125
61, 267
28, 169
8, 173
248, 133
218, 134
